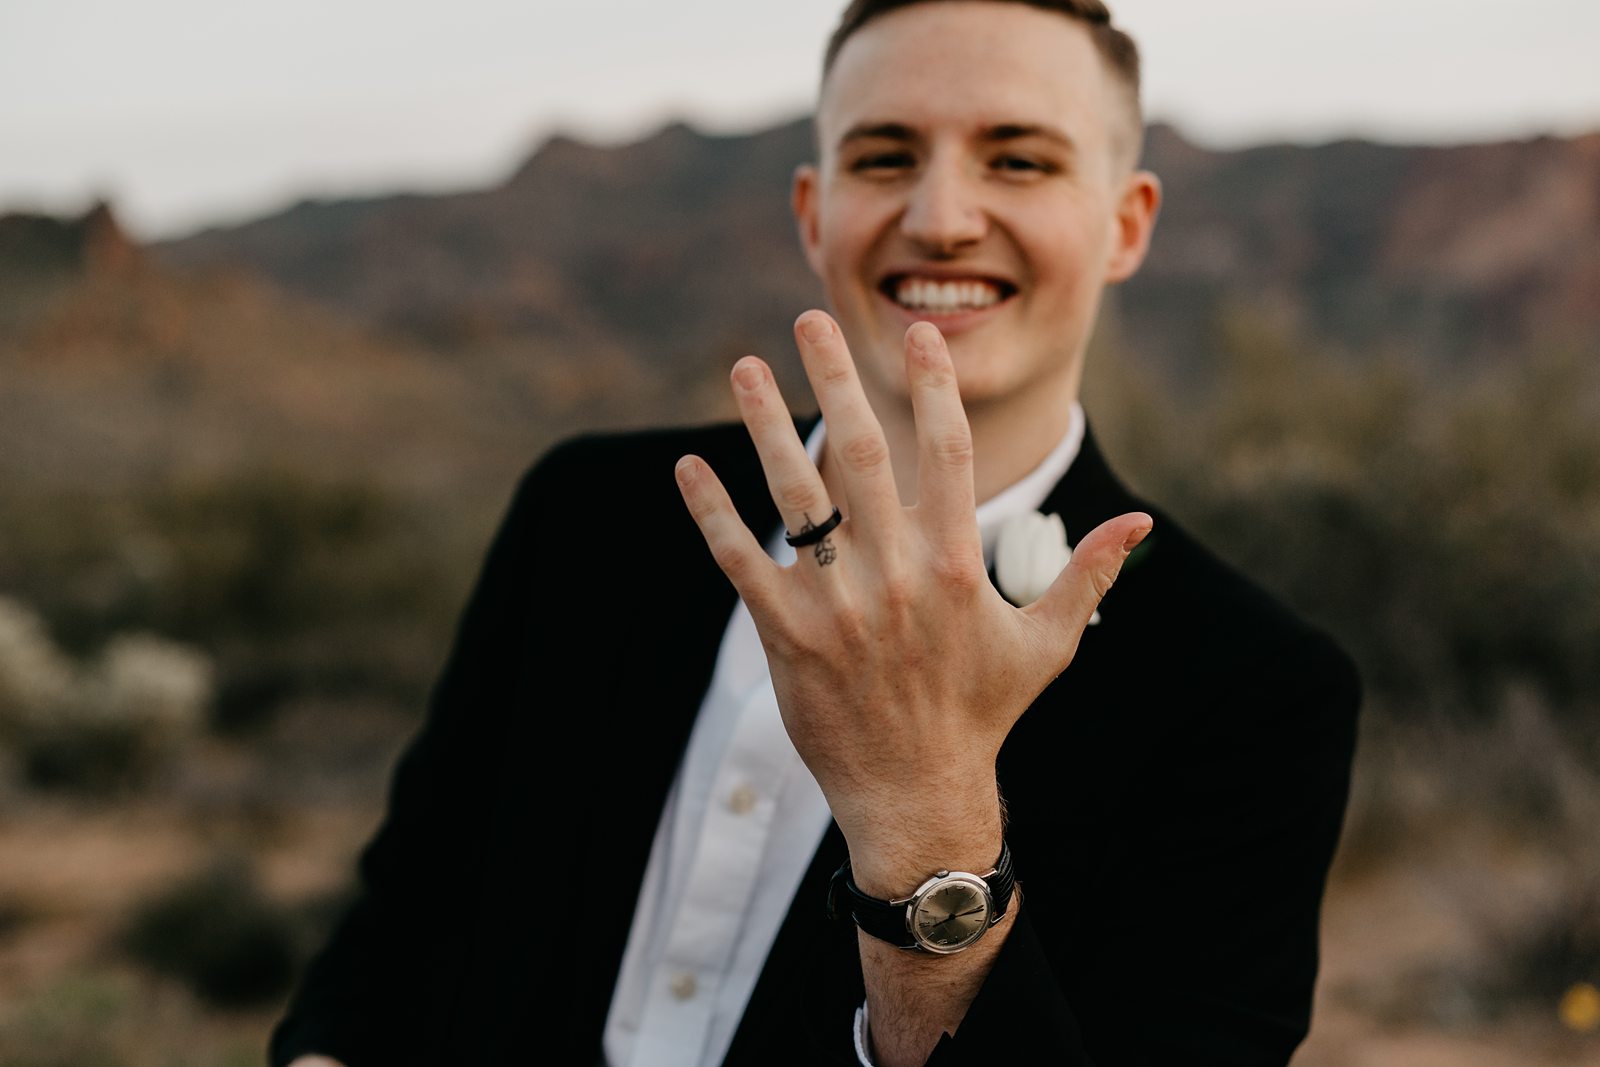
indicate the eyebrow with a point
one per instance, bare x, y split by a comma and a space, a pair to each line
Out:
1008, 131
1016, 132
889, 131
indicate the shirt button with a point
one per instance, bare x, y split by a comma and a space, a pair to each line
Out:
682, 985
741, 800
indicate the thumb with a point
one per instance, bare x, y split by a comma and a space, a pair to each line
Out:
1077, 591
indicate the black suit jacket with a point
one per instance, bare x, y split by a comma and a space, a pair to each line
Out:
1175, 798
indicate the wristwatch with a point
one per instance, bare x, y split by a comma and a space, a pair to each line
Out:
947, 913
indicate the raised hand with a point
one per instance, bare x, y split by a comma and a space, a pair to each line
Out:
899, 669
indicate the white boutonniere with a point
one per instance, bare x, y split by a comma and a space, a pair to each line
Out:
1030, 550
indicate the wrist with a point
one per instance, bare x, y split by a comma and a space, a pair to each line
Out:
893, 857
947, 913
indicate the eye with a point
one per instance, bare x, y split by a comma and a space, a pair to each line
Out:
883, 161
1022, 165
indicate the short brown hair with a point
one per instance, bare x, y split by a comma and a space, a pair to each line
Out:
1116, 48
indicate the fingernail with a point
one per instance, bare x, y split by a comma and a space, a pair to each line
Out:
923, 335
684, 470
748, 375
815, 328
1134, 538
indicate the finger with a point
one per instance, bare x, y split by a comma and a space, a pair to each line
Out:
794, 481
946, 503
732, 545
1077, 591
855, 438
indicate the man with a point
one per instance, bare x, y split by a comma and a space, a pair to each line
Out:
622, 835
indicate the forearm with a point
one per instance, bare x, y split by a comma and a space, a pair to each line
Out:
913, 998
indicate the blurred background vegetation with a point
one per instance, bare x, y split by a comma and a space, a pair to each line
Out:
247, 478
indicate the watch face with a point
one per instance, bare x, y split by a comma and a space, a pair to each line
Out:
951, 913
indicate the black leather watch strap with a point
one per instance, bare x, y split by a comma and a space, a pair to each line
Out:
1002, 882
887, 919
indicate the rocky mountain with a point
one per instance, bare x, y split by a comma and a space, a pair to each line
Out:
440, 341
118, 371
1442, 253
679, 249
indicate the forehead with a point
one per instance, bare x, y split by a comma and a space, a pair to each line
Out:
967, 66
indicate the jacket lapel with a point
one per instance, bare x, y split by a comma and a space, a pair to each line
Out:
1088, 493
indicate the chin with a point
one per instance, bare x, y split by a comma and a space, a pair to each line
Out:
980, 370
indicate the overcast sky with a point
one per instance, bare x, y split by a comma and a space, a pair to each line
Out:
185, 112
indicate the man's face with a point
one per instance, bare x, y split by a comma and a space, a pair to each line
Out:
971, 176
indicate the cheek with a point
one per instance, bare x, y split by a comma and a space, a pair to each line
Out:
1066, 244
1071, 277
852, 225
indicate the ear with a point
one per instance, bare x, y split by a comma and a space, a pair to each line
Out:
1134, 222
804, 196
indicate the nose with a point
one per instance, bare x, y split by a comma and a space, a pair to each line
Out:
943, 212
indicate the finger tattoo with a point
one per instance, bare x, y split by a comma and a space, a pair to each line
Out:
824, 549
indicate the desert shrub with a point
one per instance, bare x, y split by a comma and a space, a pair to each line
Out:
111, 723
1441, 522
270, 553
217, 933
1531, 772
35, 677
1531, 899
136, 705
292, 583
1543, 953
73, 1022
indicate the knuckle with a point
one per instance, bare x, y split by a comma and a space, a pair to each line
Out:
728, 557
899, 595
852, 623
782, 642
703, 506
797, 495
865, 452
1103, 579
958, 575
951, 450
835, 373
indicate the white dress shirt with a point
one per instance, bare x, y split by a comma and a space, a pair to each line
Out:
741, 824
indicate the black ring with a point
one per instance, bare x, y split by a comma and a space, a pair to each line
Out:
816, 533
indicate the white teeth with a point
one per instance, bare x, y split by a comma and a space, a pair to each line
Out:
926, 294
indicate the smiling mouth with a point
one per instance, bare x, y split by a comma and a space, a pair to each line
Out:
945, 296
